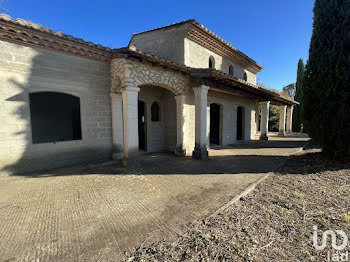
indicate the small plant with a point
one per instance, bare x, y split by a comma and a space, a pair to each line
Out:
286, 211
299, 195
347, 218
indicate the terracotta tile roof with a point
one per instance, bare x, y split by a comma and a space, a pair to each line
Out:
29, 24
271, 93
34, 34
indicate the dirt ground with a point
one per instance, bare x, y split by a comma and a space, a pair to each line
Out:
275, 222
97, 212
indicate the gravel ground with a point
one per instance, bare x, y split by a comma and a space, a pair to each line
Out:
273, 223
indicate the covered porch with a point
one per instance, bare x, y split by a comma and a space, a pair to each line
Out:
180, 104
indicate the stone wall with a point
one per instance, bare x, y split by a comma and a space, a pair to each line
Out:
131, 73
25, 69
197, 56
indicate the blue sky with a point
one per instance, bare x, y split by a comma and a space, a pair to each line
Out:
275, 33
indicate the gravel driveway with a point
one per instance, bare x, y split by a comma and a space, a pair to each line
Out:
94, 212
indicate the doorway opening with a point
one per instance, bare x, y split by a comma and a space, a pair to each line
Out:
240, 123
215, 124
142, 125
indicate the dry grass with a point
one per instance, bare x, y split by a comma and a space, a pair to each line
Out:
274, 223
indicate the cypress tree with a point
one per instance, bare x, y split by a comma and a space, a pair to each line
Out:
298, 96
326, 99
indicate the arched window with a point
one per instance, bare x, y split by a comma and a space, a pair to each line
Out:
245, 76
155, 112
54, 117
230, 70
211, 62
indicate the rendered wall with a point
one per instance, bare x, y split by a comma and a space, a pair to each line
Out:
198, 57
167, 43
229, 105
25, 69
161, 135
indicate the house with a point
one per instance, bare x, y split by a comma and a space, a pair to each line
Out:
179, 88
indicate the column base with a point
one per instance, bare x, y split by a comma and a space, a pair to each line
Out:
180, 152
264, 137
200, 154
282, 133
117, 156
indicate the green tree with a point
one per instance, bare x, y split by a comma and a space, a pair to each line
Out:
326, 99
297, 125
274, 118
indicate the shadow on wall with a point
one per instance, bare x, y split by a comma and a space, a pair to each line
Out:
44, 71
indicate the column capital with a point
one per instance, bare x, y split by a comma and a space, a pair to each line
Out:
264, 102
201, 88
116, 95
180, 97
130, 89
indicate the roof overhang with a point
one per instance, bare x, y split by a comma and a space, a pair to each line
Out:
216, 80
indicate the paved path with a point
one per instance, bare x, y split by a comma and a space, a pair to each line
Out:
99, 211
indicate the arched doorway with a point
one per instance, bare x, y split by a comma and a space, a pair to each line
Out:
240, 123
142, 125
215, 122
156, 119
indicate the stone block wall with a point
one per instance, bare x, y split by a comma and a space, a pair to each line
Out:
25, 69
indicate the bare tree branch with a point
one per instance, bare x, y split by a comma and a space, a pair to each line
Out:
2, 5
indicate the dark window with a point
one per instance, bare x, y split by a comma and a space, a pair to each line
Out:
230, 70
211, 62
155, 112
240, 123
54, 117
245, 77
214, 128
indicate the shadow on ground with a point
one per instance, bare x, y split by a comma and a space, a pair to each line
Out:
247, 157
312, 163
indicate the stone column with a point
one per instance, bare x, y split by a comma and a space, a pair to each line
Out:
282, 123
117, 126
201, 99
180, 125
264, 125
130, 118
289, 118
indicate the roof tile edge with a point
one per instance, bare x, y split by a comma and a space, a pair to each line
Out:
101, 53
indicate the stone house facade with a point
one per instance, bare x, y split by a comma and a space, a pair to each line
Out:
178, 88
